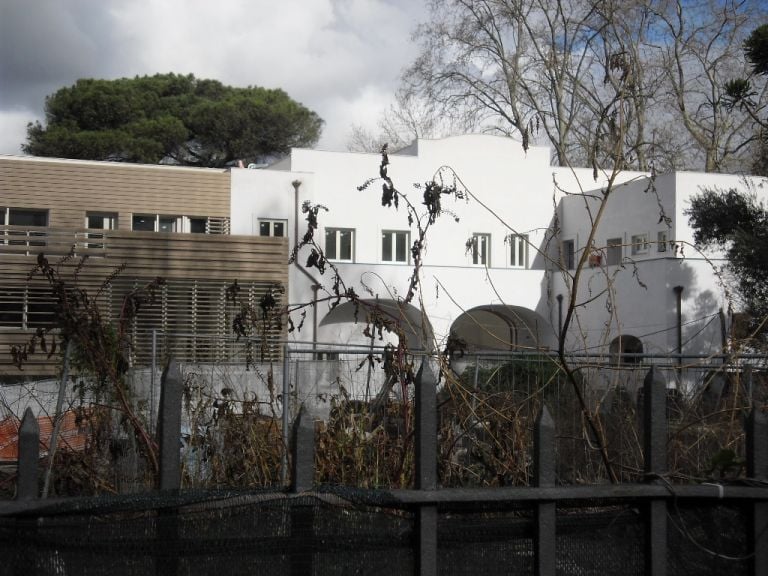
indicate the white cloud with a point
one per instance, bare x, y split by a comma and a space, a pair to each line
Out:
340, 58
13, 129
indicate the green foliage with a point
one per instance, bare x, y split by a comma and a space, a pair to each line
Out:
190, 121
756, 49
737, 223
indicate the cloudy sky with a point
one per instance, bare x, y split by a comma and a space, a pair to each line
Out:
340, 58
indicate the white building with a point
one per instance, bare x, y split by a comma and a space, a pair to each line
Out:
526, 223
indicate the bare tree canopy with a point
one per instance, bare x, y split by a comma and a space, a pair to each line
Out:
549, 71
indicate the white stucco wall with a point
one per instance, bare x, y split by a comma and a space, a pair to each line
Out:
509, 191
516, 186
642, 300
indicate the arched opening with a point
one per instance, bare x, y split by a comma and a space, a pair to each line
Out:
626, 349
503, 327
346, 322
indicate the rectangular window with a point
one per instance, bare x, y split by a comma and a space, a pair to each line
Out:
639, 244
158, 223
518, 250
615, 251
26, 218
168, 224
276, 228
661, 241
394, 246
569, 254
99, 221
340, 244
22, 217
144, 222
481, 249
198, 225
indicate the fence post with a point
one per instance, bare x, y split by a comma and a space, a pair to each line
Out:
303, 453
426, 468
544, 471
169, 432
285, 416
303, 541
169, 426
757, 469
655, 464
29, 455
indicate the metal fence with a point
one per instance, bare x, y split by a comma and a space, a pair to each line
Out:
648, 527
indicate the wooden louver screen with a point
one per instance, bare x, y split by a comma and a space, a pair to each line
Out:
193, 323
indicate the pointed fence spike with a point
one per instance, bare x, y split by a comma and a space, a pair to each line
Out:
757, 445
544, 449
303, 445
29, 455
169, 426
426, 428
655, 422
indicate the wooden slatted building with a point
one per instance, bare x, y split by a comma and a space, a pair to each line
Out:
156, 221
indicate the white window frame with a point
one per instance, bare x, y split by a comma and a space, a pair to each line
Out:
639, 243
9, 237
480, 249
336, 232
108, 222
181, 224
518, 242
390, 237
272, 222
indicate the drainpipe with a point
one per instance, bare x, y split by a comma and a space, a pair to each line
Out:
559, 319
315, 284
679, 298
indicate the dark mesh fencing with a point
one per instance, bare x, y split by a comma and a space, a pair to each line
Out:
345, 531
708, 541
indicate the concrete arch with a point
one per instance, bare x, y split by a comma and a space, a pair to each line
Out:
504, 327
414, 323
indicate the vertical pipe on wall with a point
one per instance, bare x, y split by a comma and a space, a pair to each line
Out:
560, 319
679, 303
315, 284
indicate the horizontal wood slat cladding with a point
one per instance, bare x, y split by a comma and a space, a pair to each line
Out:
190, 311
70, 188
